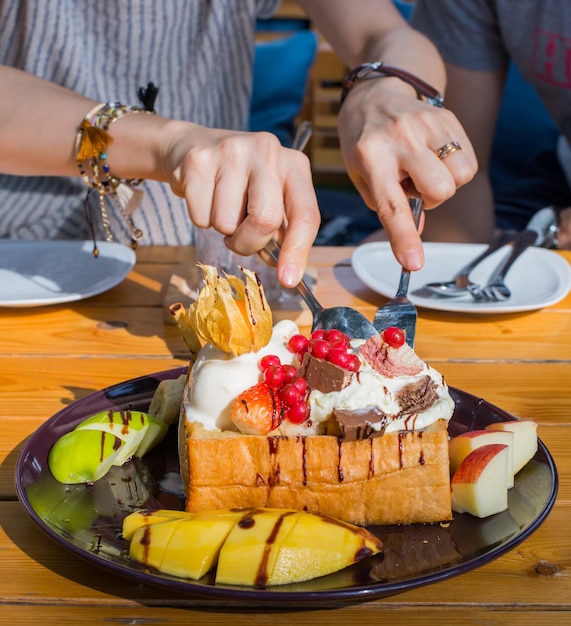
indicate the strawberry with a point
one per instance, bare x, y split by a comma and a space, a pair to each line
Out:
257, 410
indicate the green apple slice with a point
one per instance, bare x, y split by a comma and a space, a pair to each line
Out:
83, 456
155, 433
122, 424
127, 425
101, 441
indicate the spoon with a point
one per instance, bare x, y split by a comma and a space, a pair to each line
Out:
354, 324
459, 284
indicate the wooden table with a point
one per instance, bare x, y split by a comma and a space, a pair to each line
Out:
52, 356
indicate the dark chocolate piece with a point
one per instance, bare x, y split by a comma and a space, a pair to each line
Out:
417, 397
357, 424
323, 375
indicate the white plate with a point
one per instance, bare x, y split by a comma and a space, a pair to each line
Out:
38, 273
539, 278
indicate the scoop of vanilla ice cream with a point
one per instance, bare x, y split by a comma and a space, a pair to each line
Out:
217, 378
369, 388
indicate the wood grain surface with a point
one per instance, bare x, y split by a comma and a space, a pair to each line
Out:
52, 356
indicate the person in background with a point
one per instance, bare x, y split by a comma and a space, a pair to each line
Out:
478, 40
69, 73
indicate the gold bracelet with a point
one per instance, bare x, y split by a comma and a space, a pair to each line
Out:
91, 144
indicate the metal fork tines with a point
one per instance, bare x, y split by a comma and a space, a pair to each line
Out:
496, 290
400, 311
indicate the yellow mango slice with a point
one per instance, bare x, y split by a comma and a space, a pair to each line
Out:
319, 545
186, 546
195, 545
254, 547
250, 550
146, 517
149, 543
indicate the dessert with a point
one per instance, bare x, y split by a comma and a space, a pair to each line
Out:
354, 430
257, 547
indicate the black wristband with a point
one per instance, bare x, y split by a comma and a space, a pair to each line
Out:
367, 70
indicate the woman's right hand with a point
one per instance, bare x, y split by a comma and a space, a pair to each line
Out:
248, 187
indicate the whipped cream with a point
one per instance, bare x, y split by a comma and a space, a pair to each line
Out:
217, 378
368, 388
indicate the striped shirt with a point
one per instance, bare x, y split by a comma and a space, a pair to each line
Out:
199, 53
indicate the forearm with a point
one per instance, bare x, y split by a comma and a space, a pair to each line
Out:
374, 30
245, 185
39, 123
467, 217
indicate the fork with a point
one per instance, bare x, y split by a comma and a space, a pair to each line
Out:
496, 290
400, 311
460, 283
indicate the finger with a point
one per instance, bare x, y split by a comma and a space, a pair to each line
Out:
229, 200
264, 213
196, 179
247, 185
459, 157
303, 219
393, 209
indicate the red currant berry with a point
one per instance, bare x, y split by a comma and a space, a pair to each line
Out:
339, 357
298, 344
339, 344
336, 335
354, 363
291, 395
301, 384
318, 334
393, 336
269, 360
290, 373
319, 348
298, 413
274, 375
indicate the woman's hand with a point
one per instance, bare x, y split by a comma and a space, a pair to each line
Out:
389, 141
248, 187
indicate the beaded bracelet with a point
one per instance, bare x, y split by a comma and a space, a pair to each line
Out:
368, 70
91, 144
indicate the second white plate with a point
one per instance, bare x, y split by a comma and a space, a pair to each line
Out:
539, 278
39, 273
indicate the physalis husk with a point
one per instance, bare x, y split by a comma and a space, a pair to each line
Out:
233, 316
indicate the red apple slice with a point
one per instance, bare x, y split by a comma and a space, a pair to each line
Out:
525, 440
461, 446
480, 484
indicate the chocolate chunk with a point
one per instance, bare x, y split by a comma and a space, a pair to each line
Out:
323, 375
356, 424
417, 397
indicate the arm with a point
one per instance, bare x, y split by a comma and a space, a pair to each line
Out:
475, 97
218, 172
389, 137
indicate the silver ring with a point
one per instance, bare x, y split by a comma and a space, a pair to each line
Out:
447, 149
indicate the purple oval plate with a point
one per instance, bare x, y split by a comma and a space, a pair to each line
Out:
86, 519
